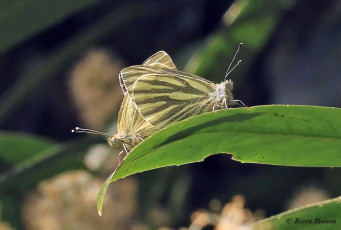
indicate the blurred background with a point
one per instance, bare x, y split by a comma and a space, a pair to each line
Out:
59, 65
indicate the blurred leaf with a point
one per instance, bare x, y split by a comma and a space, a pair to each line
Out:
26, 87
11, 203
17, 147
31, 159
249, 22
277, 134
323, 215
19, 20
46, 163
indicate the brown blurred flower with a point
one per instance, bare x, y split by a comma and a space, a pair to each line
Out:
233, 217
95, 88
68, 201
306, 195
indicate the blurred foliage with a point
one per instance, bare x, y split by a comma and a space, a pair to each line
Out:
28, 84
14, 147
249, 22
26, 160
22, 19
290, 55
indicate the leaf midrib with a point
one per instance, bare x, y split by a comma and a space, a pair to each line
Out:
265, 134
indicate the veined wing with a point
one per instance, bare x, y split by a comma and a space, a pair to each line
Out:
164, 96
132, 128
159, 60
130, 121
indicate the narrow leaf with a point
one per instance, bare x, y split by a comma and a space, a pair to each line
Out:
307, 136
16, 147
323, 215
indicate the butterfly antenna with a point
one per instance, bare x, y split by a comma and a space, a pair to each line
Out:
229, 70
90, 131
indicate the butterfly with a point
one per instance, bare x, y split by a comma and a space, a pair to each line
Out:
132, 128
164, 95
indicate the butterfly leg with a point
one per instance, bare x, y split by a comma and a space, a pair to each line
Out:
119, 159
239, 102
225, 104
141, 138
119, 154
125, 149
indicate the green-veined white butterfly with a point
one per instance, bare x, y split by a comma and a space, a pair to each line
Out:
132, 128
164, 95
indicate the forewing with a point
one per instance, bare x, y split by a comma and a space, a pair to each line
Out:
160, 60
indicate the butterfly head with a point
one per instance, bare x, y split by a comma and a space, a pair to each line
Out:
113, 141
223, 95
228, 87
119, 140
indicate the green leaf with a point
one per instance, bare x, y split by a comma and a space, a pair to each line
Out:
46, 163
307, 136
17, 147
323, 215
19, 20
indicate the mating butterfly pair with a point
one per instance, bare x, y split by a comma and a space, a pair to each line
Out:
156, 95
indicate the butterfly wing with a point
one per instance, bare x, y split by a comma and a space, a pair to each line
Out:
159, 60
164, 96
132, 127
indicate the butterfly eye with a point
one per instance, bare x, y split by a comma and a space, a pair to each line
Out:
113, 142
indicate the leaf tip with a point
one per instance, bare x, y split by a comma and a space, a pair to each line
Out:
99, 212
100, 196
99, 205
